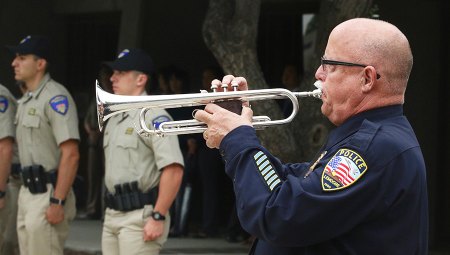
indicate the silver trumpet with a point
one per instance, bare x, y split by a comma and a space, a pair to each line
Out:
109, 105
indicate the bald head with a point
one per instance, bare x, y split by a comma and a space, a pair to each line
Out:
379, 44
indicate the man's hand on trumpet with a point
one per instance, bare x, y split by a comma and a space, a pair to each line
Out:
229, 80
221, 121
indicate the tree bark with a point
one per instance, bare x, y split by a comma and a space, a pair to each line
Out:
312, 127
230, 32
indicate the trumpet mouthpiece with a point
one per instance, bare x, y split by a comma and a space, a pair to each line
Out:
318, 84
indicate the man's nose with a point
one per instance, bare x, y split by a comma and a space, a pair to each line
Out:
320, 74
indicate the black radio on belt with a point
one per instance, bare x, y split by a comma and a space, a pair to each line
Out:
35, 178
129, 197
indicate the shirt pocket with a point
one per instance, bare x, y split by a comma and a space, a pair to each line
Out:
30, 121
128, 142
126, 152
29, 130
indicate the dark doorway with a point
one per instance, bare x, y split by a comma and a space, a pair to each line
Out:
91, 39
281, 38
279, 44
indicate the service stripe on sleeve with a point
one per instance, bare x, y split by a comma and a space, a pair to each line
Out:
266, 170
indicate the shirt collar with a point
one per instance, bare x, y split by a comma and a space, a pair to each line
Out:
352, 125
41, 86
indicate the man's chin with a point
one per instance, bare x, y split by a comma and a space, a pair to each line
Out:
324, 109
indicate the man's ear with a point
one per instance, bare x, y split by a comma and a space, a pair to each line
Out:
369, 78
41, 64
142, 79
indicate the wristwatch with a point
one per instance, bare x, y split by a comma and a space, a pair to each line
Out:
158, 216
54, 200
2, 193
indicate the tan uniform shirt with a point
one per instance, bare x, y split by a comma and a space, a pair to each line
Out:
8, 107
129, 157
8, 214
45, 118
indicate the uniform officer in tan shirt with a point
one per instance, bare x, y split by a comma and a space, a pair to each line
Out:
47, 137
142, 175
9, 166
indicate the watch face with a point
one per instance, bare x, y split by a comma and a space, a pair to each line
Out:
158, 216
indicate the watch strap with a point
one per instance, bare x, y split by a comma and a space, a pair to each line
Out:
2, 194
54, 200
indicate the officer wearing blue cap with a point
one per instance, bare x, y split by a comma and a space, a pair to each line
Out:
366, 191
142, 175
47, 137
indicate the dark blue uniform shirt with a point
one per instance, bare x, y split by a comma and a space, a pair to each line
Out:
365, 192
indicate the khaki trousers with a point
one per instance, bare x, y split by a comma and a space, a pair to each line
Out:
123, 233
36, 235
10, 243
4, 213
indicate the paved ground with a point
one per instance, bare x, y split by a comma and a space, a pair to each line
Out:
85, 235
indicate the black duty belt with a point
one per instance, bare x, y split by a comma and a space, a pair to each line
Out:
35, 178
128, 197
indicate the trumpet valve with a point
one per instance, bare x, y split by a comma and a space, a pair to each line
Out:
224, 87
234, 85
213, 87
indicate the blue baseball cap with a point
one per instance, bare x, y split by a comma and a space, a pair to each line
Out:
132, 60
38, 45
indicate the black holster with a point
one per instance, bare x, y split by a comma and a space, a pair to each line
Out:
35, 178
129, 197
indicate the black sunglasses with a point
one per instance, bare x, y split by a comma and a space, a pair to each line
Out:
324, 62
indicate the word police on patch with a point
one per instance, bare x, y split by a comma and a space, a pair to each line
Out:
343, 169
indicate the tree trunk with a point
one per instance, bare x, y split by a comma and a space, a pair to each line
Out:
230, 32
311, 127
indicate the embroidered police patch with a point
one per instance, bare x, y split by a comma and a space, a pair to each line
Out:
59, 104
3, 104
266, 170
158, 120
343, 169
